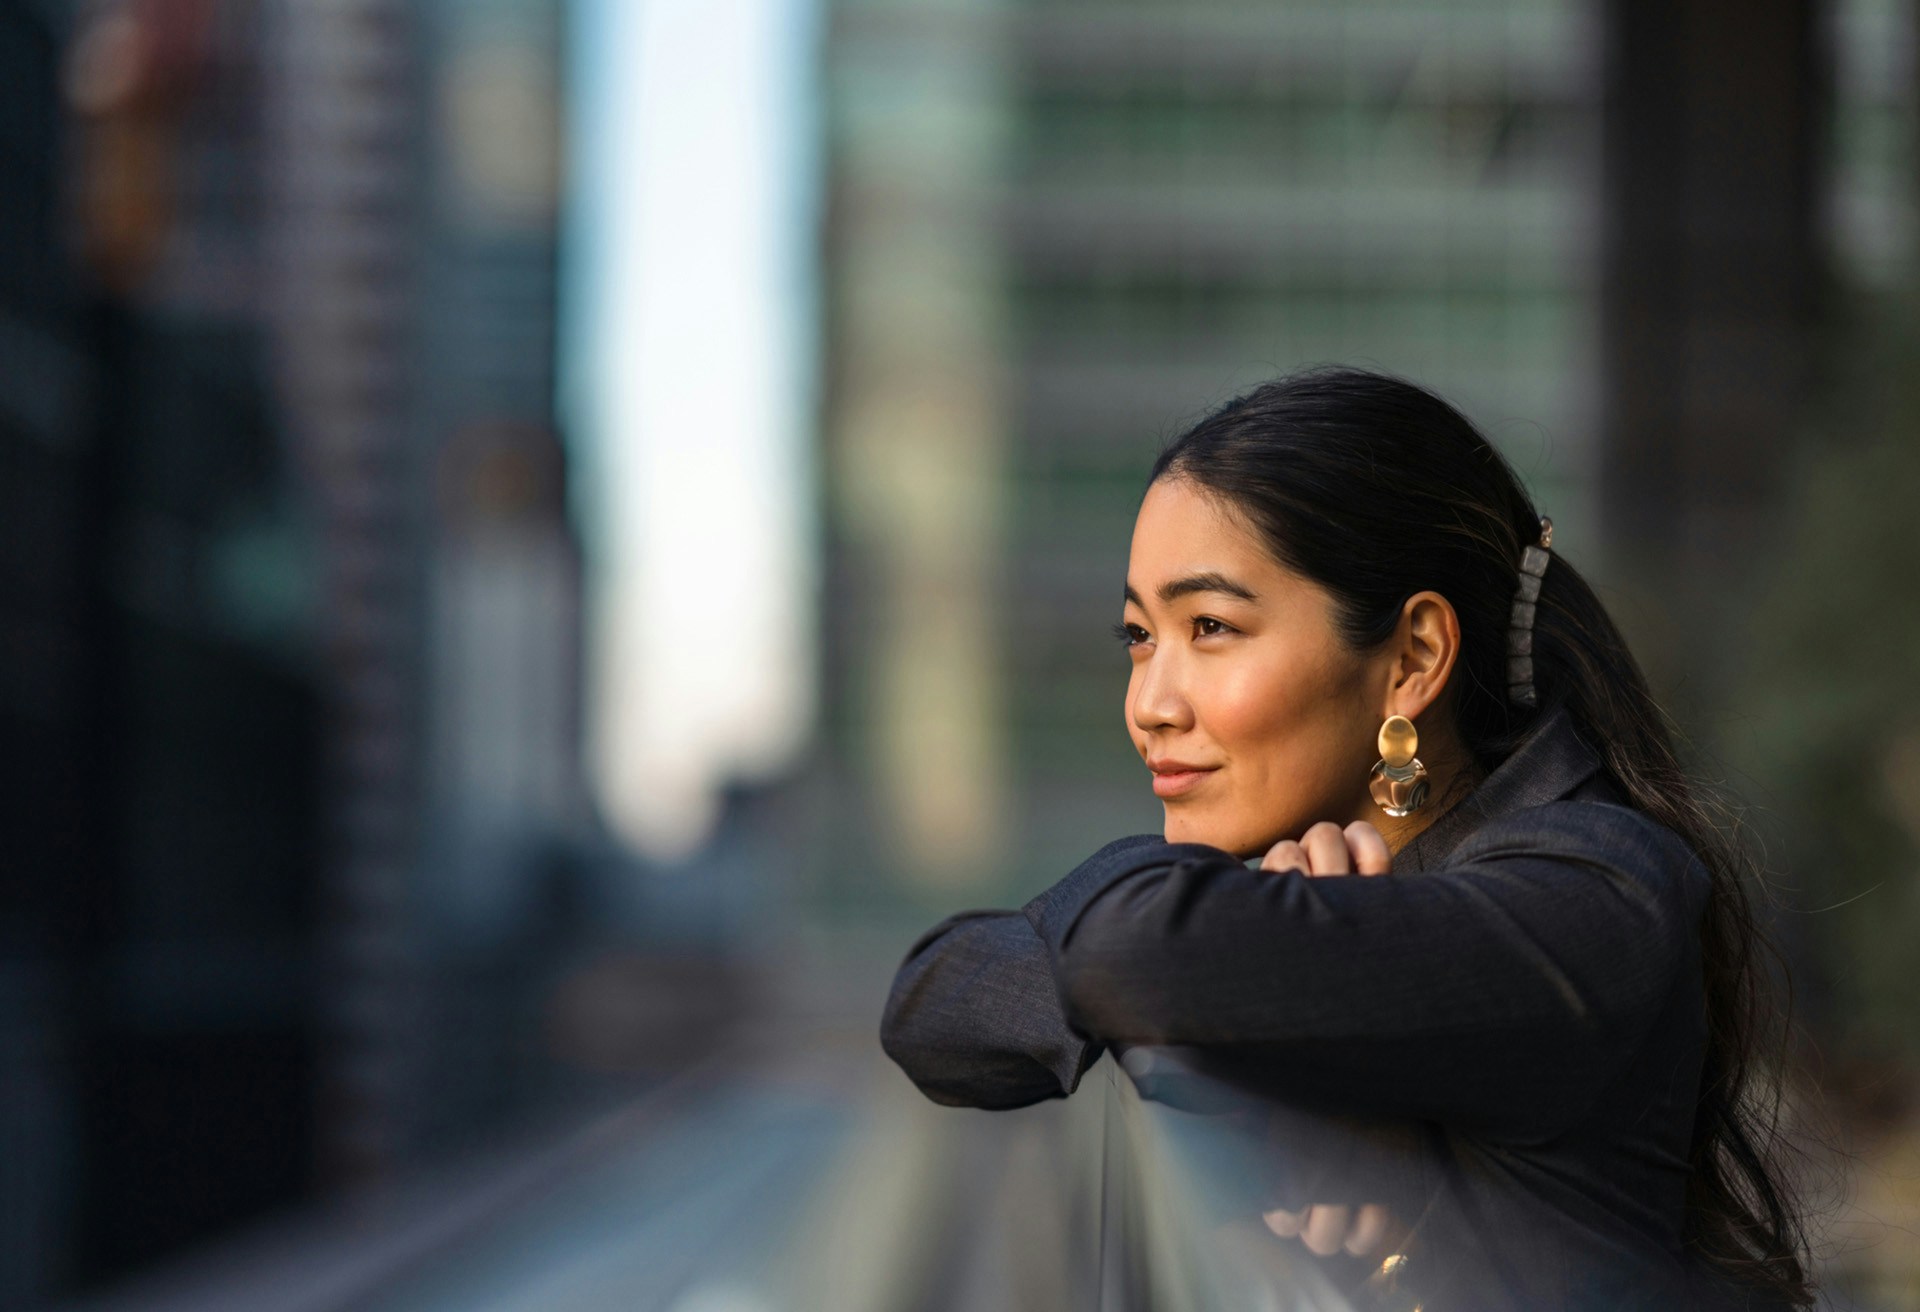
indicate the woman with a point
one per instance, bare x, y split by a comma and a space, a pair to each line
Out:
1489, 902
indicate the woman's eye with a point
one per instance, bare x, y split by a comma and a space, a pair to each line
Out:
1130, 635
1201, 622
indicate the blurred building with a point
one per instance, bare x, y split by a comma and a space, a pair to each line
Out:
49, 709
1714, 281
161, 720
414, 175
289, 607
1868, 212
1059, 231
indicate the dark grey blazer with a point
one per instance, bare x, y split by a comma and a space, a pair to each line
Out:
1525, 988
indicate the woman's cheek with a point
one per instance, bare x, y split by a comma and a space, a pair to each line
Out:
1252, 709
1274, 743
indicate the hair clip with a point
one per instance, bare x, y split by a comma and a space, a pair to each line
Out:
1533, 565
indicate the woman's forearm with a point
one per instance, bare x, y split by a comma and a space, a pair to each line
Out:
974, 1017
1503, 993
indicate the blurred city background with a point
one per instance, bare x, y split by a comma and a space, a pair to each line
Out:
543, 541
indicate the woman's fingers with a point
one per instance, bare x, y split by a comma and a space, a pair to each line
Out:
1326, 1228
1371, 855
1286, 855
1284, 1223
1326, 848
1369, 1229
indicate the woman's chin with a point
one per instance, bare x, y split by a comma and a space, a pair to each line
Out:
1196, 829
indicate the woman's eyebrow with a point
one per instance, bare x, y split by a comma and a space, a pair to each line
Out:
1180, 587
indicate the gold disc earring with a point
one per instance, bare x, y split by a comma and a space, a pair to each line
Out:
1399, 780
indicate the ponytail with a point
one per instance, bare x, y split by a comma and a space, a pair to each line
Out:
1742, 1216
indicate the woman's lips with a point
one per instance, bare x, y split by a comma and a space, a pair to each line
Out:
1174, 783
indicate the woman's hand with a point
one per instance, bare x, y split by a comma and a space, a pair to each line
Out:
1327, 1228
1327, 849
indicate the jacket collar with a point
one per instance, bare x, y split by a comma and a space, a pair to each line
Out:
1551, 762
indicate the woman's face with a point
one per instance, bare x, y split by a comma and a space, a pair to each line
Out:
1254, 717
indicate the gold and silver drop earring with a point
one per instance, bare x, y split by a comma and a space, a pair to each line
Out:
1399, 780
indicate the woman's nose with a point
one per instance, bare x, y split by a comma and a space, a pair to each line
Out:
1159, 700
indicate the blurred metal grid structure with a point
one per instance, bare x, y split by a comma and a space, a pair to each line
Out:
343, 124
414, 162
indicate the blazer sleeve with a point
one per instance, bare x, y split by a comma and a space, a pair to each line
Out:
1501, 993
974, 1016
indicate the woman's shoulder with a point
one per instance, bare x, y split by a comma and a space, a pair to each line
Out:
1598, 832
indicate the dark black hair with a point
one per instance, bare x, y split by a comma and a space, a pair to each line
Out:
1375, 488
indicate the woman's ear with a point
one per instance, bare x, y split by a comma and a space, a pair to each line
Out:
1423, 650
